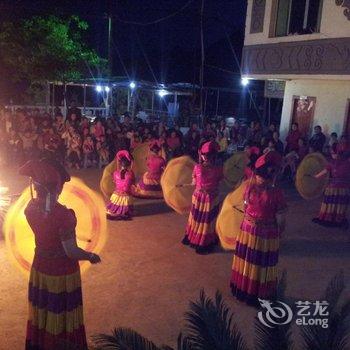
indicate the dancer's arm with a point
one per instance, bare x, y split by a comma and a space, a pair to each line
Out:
74, 252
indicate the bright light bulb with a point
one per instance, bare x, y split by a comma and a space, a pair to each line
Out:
132, 85
162, 93
98, 88
245, 81
107, 89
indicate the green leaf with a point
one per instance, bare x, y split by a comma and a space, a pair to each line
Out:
123, 339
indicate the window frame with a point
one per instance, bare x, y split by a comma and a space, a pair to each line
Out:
274, 15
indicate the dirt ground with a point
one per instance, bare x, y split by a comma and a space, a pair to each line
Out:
147, 277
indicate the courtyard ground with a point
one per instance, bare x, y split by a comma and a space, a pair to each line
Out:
147, 277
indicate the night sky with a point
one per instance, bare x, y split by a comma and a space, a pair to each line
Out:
172, 47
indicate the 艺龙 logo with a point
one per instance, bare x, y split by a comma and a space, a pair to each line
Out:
274, 314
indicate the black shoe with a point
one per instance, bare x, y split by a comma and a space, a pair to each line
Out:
316, 220
185, 240
345, 225
204, 250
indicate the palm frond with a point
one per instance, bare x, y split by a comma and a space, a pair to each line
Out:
334, 290
277, 338
339, 328
316, 337
183, 343
123, 339
282, 286
210, 325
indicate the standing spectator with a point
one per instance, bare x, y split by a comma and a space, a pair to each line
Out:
222, 142
15, 147
318, 140
224, 129
293, 138
74, 151
250, 132
192, 144
270, 131
102, 152
88, 151
28, 142
279, 147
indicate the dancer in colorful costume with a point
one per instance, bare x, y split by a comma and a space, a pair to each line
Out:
149, 185
336, 197
55, 295
121, 203
200, 231
254, 269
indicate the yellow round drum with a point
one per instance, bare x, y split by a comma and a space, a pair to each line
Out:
307, 186
178, 172
228, 223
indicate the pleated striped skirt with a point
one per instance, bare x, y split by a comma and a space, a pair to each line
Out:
334, 206
120, 206
200, 230
148, 188
254, 268
55, 312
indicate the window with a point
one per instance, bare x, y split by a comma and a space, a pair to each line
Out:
297, 17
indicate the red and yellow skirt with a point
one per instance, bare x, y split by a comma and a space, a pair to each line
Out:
120, 206
55, 312
334, 206
254, 268
200, 230
148, 188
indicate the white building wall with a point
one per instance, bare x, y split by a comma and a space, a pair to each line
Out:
333, 25
331, 103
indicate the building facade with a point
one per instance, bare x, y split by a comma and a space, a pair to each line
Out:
305, 43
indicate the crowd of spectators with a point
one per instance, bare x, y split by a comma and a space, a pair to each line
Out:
79, 142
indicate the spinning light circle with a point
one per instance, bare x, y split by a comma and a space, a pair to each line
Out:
91, 228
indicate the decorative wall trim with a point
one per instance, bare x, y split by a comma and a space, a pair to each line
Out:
323, 56
346, 4
257, 17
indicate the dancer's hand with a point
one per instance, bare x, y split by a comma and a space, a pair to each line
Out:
94, 258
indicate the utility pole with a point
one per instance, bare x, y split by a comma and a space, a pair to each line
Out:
110, 59
201, 74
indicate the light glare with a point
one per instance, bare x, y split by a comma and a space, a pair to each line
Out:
245, 81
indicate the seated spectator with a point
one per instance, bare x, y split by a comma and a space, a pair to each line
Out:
174, 144
271, 146
51, 144
333, 139
344, 145
98, 130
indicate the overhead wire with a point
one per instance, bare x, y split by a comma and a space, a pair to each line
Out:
159, 20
